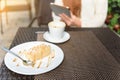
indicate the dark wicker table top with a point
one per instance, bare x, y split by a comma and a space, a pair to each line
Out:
90, 54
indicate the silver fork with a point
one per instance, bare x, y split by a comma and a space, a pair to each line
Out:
26, 62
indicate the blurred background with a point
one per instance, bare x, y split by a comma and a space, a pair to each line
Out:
113, 18
19, 13
14, 14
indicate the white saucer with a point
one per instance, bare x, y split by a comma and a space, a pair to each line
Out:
47, 37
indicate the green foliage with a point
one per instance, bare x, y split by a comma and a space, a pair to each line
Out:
114, 10
114, 20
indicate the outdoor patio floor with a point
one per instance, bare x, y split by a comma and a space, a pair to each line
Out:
15, 20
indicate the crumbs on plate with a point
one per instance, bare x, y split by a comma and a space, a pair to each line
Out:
40, 55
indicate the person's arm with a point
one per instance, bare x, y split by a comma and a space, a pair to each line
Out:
99, 16
71, 21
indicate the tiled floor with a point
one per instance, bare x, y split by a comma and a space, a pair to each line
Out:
16, 20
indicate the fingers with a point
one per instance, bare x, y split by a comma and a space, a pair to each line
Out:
66, 19
70, 21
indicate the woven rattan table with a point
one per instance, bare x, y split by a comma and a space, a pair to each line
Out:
90, 54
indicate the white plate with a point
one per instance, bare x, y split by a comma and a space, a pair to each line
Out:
47, 37
29, 70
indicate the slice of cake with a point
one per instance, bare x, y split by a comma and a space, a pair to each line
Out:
38, 52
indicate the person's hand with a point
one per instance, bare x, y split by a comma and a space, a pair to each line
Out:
71, 21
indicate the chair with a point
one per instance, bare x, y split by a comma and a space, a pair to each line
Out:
19, 7
1, 26
43, 12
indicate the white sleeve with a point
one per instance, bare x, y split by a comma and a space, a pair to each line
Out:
58, 2
98, 17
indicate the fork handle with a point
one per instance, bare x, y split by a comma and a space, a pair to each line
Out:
7, 50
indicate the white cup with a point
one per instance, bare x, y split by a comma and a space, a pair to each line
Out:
56, 29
